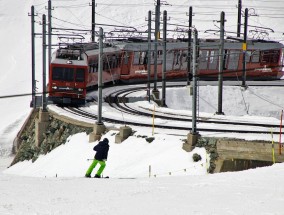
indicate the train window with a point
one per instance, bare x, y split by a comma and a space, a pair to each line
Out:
270, 56
248, 56
126, 57
265, 56
143, 58
95, 67
136, 58
56, 73
105, 64
177, 61
184, 60
152, 57
108, 63
233, 60
80, 75
114, 61
275, 56
255, 57
225, 59
169, 61
140, 58
203, 59
213, 59
68, 74
62, 74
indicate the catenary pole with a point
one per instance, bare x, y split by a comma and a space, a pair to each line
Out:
245, 49
44, 102
194, 80
33, 55
100, 97
239, 18
189, 46
221, 65
93, 20
49, 33
164, 59
157, 36
149, 54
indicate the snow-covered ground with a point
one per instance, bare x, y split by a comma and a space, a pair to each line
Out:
33, 188
55, 183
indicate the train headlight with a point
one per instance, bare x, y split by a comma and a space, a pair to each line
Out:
80, 90
54, 87
69, 62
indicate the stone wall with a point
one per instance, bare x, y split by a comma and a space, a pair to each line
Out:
56, 134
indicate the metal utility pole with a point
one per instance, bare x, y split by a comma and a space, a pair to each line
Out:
221, 64
100, 97
44, 102
164, 59
189, 46
49, 32
157, 36
245, 48
33, 55
239, 18
194, 80
149, 54
93, 20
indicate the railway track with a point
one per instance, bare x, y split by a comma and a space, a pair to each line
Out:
118, 102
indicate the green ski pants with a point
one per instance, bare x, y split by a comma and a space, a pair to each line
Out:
93, 165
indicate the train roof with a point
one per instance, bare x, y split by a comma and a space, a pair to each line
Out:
79, 49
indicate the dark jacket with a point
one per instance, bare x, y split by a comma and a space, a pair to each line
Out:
102, 150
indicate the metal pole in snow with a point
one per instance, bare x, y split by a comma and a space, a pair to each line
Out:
239, 18
49, 32
93, 20
189, 46
44, 103
149, 55
164, 59
221, 65
194, 90
245, 49
100, 97
33, 56
157, 36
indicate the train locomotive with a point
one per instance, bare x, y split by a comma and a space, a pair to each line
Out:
74, 67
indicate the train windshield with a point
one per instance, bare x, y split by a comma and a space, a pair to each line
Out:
67, 74
80, 75
62, 74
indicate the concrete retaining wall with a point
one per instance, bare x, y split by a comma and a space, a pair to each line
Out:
238, 154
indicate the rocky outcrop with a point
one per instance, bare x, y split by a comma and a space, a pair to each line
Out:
55, 135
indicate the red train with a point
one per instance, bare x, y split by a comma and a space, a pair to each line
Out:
74, 68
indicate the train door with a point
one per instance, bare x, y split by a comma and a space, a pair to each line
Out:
126, 63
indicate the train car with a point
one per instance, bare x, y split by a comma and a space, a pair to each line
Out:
68, 76
264, 60
134, 66
74, 68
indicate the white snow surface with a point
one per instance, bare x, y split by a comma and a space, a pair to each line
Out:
54, 184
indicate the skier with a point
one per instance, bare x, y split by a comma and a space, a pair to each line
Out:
101, 156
